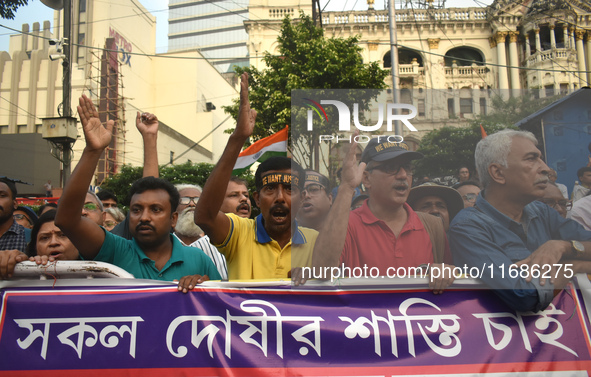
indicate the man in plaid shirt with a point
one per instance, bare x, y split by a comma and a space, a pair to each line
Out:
12, 235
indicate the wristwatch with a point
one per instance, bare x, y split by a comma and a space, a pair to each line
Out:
577, 248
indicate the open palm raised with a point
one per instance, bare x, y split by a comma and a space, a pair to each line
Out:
97, 136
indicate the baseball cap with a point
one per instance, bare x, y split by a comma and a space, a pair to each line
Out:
382, 151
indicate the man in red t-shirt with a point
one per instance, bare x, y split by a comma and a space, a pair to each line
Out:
384, 234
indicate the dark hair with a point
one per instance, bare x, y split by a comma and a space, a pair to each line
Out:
466, 183
105, 195
278, 163
464, 167
151, 183
50, 204
11, 186
239, 181
47, 217
583, 170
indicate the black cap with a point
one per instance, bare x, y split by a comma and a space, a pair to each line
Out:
382, 151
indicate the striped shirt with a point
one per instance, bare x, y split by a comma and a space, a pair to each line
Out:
212, 252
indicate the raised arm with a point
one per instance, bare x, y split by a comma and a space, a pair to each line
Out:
207, 212
331, 239
147, 124
85, 234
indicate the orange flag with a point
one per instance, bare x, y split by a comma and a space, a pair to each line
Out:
482, 132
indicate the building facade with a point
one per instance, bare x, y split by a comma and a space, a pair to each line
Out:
215, 28
453, 61
114, 63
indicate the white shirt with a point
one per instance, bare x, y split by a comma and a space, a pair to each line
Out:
212, 252
581, 212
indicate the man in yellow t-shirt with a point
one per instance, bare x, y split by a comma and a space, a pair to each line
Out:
267, 247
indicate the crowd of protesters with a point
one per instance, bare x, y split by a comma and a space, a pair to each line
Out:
509, 211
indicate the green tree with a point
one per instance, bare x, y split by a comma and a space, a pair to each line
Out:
306, 60
193, 173
449, 148
8, 8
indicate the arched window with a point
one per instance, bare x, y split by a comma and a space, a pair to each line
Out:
463, 56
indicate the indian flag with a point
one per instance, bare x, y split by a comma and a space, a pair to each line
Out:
274, 145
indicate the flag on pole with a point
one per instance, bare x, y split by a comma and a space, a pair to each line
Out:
482, 132
274, 145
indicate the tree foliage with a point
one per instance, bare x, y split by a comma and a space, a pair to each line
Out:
305, 60
449, 148
8, 8
193, 173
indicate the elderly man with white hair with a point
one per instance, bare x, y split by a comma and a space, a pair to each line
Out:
509, 226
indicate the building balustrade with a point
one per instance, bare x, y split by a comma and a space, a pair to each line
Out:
541, 56
404, 15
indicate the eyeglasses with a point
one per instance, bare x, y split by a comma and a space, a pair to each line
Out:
393, 169
313, 189
20, 216
185, 200
109, 224
564, 203
90, 207
471, 198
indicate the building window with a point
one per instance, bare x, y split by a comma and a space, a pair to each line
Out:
466, 106
451, 111
549, 90
421, 107
563, 89
483, 106
82, 6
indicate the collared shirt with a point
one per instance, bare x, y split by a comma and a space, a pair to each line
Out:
370, 242
15, 238
252, 254
483, 237
183, 261
579, 192
219, 261
581, 212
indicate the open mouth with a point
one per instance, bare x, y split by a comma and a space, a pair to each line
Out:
307, 206
401, 188
56, 254
280, 214
243, 208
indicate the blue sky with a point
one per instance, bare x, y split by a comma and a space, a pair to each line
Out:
37, 12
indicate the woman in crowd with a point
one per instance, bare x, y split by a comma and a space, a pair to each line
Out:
49, 241
113, 216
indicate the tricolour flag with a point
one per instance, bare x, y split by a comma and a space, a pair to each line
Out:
482, 132
274, 145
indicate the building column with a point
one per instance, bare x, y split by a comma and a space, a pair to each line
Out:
514, 62
589, 56
566, 40
502, 62
538, 42
571, 37
527, 46
552, 36
579, 34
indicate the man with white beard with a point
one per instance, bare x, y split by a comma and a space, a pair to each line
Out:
185, 229
236, 201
